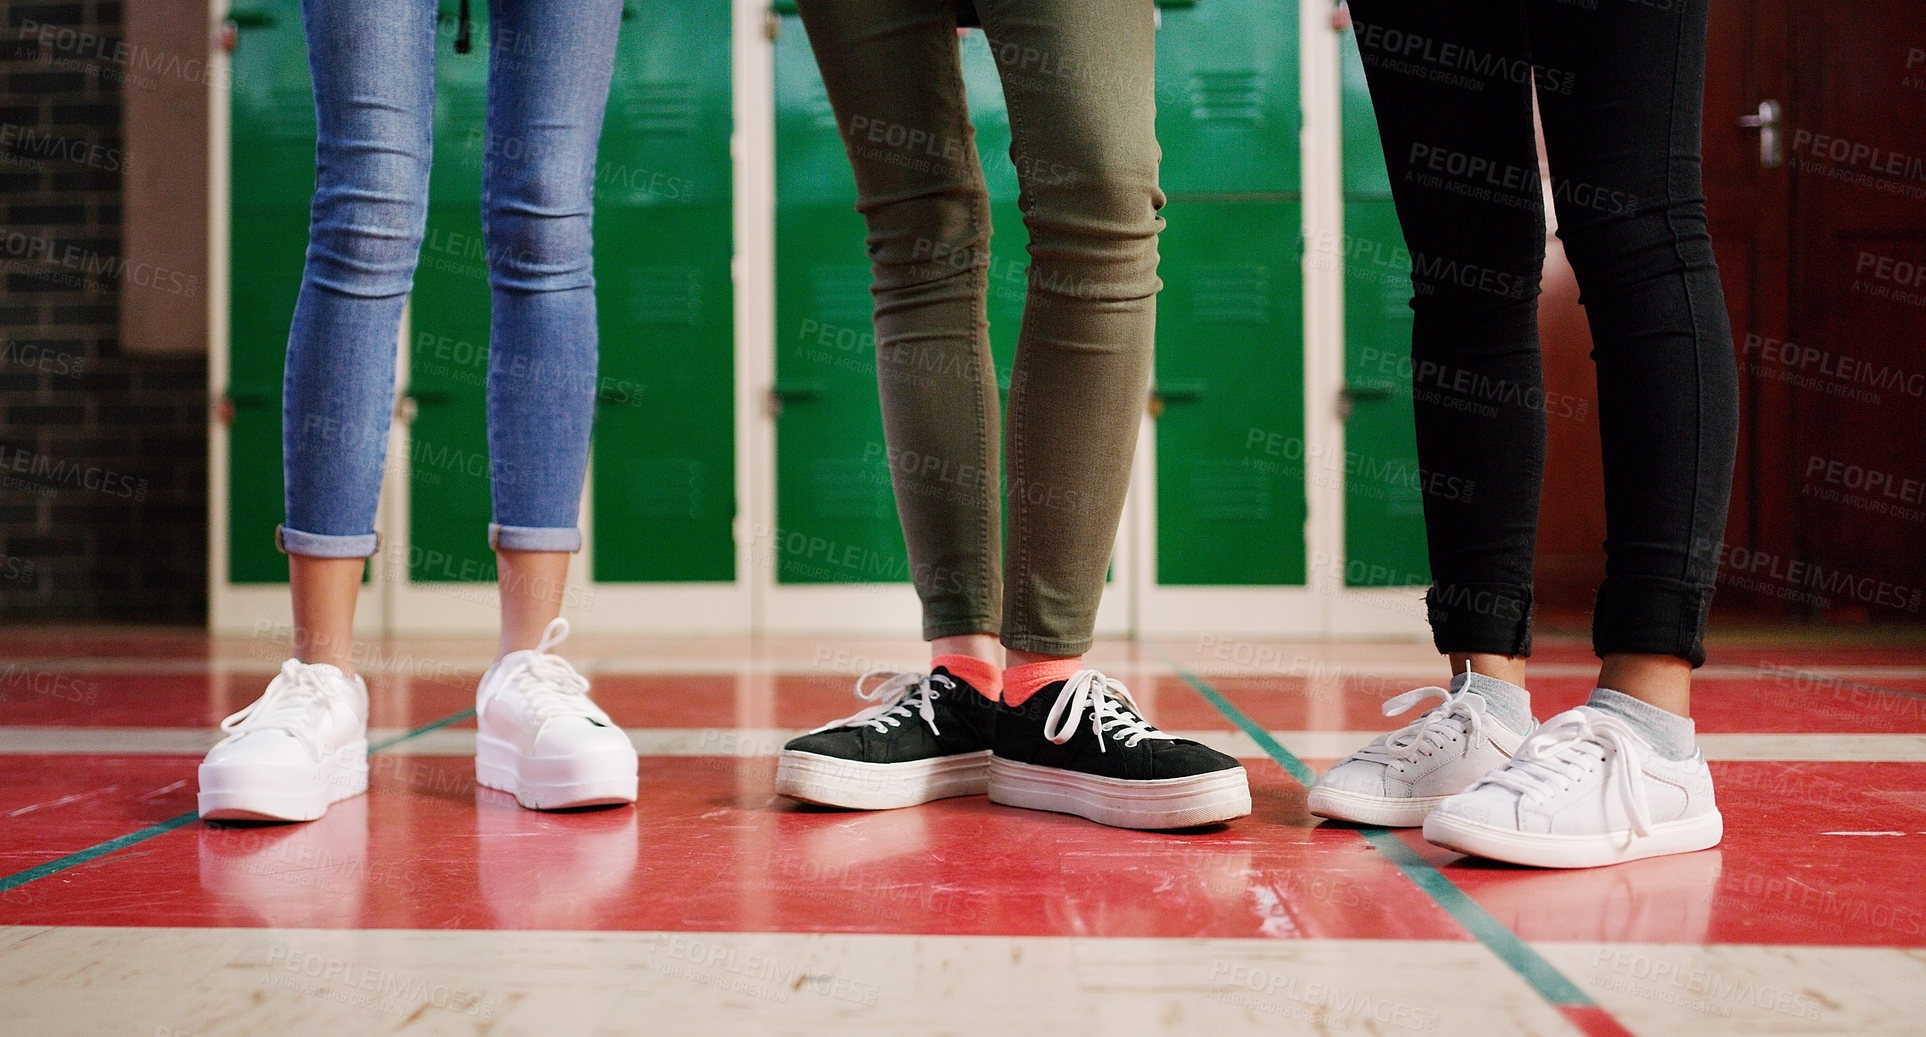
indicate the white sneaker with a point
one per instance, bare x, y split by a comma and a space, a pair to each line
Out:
1582, 791
299, 747
541, 738
1402, 776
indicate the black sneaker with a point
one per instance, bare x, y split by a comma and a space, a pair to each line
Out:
1093, 754
927, 737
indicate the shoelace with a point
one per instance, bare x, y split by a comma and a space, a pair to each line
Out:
896, 698
1559, 753
550, 686
1112, 712
289, 704
1462, 711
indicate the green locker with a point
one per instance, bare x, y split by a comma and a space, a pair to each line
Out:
273, 127
1230, 374
1231, 504
1227, 108
1383, 509
664, 462
835, 515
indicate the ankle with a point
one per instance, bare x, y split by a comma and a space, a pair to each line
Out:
1507, 668
1026, 679
986, 677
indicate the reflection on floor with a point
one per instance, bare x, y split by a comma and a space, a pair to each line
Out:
432, 905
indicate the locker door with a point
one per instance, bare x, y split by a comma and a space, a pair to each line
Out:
1383, 514
664, 462
272, 152
1230, 353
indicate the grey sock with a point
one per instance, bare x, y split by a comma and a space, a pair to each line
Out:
1671, 735
1507, 702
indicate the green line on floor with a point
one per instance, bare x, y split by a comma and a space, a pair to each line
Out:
1543, 976
99, 850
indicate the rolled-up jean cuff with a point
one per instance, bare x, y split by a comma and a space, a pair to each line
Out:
1485, 618
323, 545
534, 538
1651, 615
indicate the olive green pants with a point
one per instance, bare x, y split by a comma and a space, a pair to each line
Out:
1078, 82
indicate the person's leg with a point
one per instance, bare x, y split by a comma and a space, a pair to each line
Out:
1625, 160
1078, 79
1079, 82
1463, 165
893, 76
303, 745
549, 66
1621, 777
374, 102
1451, 83
548, 84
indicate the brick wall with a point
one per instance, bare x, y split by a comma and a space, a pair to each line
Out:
103, 470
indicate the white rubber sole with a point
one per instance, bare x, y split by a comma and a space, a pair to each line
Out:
859, 785
1200, 799
247, 791
1382, 811
1573, 851
601, 778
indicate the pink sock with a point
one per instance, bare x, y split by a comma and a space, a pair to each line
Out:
984, 676
1021, 682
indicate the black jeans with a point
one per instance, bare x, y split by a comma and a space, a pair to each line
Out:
1620, 85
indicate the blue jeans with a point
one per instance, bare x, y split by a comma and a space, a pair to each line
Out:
373, 63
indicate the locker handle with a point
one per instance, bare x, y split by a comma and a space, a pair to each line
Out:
1179, 392
431, 397
797, 391
249, 397
246, 19
792, 392
1353, 392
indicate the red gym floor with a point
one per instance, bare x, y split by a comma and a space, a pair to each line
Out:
432, 906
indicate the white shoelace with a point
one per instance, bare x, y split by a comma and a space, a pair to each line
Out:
896, 698
1461, 713
1100, 696
550, 687
1567, 748
291, 703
